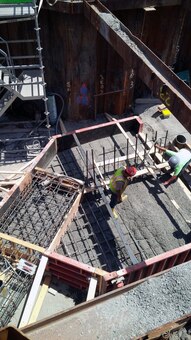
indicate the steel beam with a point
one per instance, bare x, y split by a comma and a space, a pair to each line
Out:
134, 4
164, 83
167, 329
74, 7
151, 266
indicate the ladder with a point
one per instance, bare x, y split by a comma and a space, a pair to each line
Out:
21, 76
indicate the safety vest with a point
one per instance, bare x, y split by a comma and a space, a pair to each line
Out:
117, 177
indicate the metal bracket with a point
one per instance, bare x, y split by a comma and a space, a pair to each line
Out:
118, 280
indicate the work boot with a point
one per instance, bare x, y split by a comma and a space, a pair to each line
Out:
123, 197
114, 213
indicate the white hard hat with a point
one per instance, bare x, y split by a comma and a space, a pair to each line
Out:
173, 161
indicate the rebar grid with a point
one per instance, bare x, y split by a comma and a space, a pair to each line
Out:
14, 283
38, 211
90, 239
110, 154
110, 233
73, 166
13, 291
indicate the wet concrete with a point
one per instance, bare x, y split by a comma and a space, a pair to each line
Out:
149, 216
152, 218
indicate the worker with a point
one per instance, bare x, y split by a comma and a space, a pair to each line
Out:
118, 184
178, 161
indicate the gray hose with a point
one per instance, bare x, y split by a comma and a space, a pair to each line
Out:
61, 111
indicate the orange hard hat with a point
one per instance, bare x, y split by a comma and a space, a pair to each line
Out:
131, 170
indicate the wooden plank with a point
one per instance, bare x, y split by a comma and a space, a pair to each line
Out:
68, 219
126, 136
65, 181
92, 289
103, 180
11, 172
22, 168
40, 299
131, 156
148, 169
33, 292
22, 243
3, 189
118, 159
7, 183
120, 128
59, 176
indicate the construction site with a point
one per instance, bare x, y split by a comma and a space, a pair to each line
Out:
88, 87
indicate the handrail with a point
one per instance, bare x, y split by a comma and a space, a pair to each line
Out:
8, 58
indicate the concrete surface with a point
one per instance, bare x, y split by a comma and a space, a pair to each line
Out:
154, 121
148, 213
65, 297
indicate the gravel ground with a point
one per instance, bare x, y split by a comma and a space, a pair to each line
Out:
158, 300
153, 303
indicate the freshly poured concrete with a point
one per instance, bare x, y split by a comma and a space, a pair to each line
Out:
149, 213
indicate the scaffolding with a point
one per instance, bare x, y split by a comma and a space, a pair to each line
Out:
20, 75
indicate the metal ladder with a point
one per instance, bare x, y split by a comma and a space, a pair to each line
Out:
24, 81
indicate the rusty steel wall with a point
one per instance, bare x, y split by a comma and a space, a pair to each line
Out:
80, 64
160, 30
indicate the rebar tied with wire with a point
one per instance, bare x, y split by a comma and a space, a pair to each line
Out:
38, 211
14, 283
